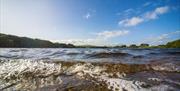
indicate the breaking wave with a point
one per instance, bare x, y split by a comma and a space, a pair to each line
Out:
25, 74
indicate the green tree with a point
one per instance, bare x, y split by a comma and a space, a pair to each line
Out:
133, 46
144, 45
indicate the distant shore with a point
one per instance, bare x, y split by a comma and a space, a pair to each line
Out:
11, 41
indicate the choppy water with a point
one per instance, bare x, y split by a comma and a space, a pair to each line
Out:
134, 56
110, 69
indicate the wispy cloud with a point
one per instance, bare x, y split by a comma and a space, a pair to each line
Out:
147, 4
163, 38
126, 12
133, 21
89, 14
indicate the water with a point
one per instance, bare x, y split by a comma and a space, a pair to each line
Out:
134, 56
108, 68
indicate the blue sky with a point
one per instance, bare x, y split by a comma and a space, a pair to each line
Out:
93, 22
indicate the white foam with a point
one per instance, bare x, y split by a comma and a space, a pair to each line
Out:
171, 67
98, 72
19, 67
118, 84
155, 79
83, 69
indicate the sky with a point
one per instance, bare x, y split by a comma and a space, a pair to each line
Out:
93, 22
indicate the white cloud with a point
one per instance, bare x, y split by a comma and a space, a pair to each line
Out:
158, 11
101, 38
89, 41
110, 34
144, 17
131, 22
162, 10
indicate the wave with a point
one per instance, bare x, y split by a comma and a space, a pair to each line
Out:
139, 56
173, 53
108, 55
170, 67
166, 53
18, 73
18, 50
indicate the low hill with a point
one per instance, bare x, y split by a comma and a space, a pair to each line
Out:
173, 44
7, 41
